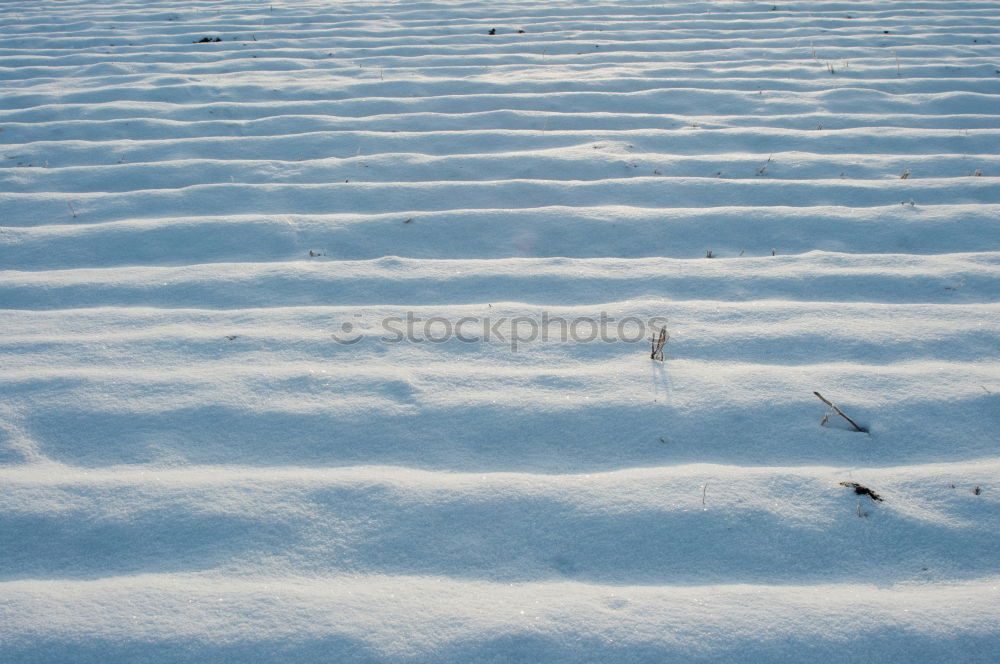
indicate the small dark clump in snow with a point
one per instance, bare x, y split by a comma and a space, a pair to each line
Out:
862, 490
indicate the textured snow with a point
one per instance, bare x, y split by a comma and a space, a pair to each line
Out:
194, 468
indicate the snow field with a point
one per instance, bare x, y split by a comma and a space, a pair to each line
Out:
194, 469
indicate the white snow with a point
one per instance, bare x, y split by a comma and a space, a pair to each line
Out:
211, 449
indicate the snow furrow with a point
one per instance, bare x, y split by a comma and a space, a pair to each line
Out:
654, 149
377, 618
814, 276
614, 231
410, 198
639, 528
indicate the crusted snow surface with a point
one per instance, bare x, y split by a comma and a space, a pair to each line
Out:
274, 278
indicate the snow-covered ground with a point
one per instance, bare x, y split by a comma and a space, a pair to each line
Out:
221, 441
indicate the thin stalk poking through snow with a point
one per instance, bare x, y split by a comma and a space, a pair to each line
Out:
841, 413
658, 344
